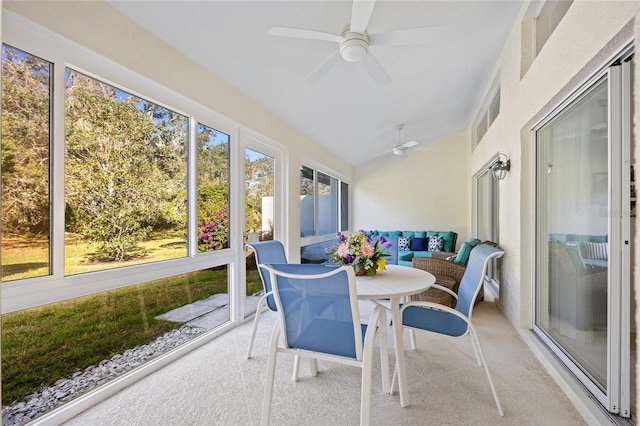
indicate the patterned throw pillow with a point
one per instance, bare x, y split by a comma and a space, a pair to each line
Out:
404, 243
436, 243
597, 250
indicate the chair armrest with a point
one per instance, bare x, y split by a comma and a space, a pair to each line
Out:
442, 254
446, 290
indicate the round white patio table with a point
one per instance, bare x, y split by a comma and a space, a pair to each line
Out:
395, 283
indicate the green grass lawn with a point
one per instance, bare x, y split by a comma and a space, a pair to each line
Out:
24, 257
47, 343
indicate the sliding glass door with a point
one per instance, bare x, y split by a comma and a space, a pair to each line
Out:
583, 238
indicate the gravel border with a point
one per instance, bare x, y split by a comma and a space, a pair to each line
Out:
93, 376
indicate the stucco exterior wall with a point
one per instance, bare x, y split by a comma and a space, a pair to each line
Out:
588, 33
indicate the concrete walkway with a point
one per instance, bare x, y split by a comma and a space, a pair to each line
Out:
207, 313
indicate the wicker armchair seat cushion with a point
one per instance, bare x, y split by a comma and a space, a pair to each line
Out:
441, 268
436, 295
444, 255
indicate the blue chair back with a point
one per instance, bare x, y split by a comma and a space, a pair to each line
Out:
318, 308
268, 252
473, 277
445, 322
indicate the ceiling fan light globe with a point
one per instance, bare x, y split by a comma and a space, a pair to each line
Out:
399, 152
354, 50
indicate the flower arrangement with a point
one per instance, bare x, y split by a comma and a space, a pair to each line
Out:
359, 249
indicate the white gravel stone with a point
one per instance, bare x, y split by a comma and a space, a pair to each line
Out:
64, 390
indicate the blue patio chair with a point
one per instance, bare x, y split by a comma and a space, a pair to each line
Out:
320, 320
265, 252
456, 322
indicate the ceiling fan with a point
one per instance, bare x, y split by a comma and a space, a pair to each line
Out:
355, 40
400, 148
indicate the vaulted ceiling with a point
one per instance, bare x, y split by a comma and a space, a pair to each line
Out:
436, 86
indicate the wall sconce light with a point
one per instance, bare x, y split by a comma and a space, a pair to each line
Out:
501, 167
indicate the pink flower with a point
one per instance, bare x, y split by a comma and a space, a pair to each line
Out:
343, 250
368, 249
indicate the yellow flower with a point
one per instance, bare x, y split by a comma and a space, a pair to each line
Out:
382, 263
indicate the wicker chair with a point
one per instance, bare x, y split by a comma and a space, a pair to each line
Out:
440, 267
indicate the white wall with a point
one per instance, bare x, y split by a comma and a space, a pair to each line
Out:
425, 191
580, 44
103, 29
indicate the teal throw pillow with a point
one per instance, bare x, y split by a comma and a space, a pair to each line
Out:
448, 241
465, 250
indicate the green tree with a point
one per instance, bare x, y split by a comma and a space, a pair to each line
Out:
259, 175
213, 157
120, 179
25, 142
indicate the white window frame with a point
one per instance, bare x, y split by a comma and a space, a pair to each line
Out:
484, 116
62, 53
317, 167
494, 197
25, 293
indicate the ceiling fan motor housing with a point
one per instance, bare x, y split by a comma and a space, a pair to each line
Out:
353, 46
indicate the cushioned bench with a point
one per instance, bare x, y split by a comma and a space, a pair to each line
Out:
409, 244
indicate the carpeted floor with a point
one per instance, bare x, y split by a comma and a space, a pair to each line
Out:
216, 385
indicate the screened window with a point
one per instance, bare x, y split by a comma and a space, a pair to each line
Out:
481, 129
494, 108
26, 130
307, 202
213, 189
488, 113
121, 193
327, 204
539, 22
125, 178
324, 203
344, 206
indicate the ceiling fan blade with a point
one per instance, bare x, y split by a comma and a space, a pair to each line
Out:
375, 70
305, 34
410, 37
409, 144
323, 67
360, 15
380, 154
